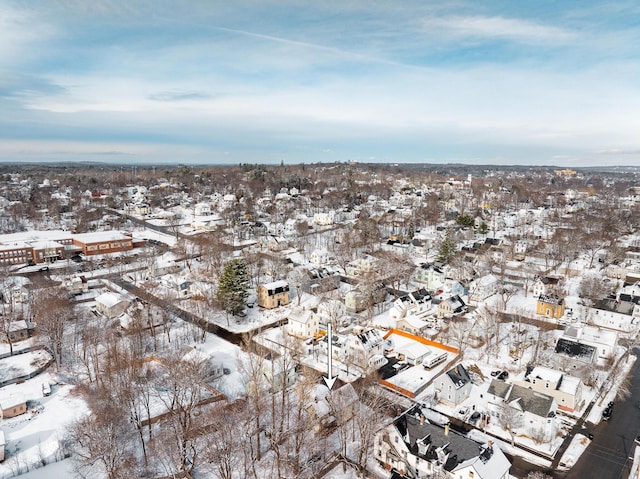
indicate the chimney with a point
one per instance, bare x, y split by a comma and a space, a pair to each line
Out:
446, 430
421, 419
489, 444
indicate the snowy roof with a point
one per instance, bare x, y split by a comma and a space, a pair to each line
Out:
109, 299
546, 374
276, 285
9, 402
569, 384
459, 376
100, 236
522, 398
455, 448
490, 463
300, 315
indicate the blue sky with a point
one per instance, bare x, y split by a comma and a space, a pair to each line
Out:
506, 82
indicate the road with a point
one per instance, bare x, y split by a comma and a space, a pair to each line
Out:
607, 457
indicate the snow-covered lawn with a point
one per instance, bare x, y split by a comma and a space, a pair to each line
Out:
22, 364
33, 438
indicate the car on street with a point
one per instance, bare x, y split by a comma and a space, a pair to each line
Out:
606, 414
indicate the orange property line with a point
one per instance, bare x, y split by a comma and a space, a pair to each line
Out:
403, 391
422, 340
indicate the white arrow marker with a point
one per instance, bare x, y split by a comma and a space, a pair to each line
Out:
330, 379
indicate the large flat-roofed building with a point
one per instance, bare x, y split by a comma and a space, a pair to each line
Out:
33, 247
103, 242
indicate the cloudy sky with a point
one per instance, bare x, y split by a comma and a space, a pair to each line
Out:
203, 81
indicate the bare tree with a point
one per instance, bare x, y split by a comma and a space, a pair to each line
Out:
510, 419
51, 310
102, 440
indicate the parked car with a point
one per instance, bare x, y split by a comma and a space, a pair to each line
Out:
502, 376
463, 411
474, 417
606, 414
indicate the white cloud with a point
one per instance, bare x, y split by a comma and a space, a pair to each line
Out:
498, 27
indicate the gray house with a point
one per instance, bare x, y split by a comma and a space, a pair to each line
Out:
454, 386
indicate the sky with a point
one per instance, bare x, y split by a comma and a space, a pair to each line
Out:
227, 82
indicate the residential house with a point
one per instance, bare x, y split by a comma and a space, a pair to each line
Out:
430, 275
454, 386
323, 219
550, 305
321, 257
603, 341
11, 406
278, 373
613, 313
357, 300
273, 295
414, 325
111, 304
451, 306
362, 346
482, 288
302, 323
19, 330
536, 411
343, 403
202, 209
544, 285
360, 266
417, 303
459, 288
566, 389
413, 447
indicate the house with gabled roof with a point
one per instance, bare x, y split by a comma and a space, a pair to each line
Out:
550, 305
537, 411
451, 306
454, 386
413, 447
566, 389
481, 288
614, 313
430, 275
302, 323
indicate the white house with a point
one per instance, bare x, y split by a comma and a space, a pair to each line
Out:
431, 275
415, 303
111, 304
202, 209
323, 219
321, 257
302, 323
614, 314
536, 411
482, 288
361, 347
566, 389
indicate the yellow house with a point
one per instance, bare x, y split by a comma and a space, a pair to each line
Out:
273, 295
550, 305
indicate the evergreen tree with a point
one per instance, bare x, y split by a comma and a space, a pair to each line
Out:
233, 286
484, 228
447, 248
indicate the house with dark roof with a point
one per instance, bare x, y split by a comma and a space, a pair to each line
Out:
614, 313
451, 306
413, 447
454, 386
550, 305
535, 411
